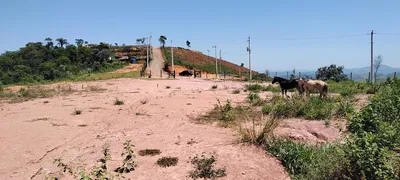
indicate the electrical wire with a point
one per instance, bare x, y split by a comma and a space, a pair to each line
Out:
310, 38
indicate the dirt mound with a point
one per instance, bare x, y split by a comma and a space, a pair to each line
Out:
310, 131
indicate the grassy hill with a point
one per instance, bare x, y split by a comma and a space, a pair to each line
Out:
196, 60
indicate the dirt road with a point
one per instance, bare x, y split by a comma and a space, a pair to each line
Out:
34, 133
157, 64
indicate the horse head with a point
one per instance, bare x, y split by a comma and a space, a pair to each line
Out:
274, 80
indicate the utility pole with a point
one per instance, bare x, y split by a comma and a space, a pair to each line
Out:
220, 62
151, 52
216, 62
249, 50
147, 51
372, 56
172, 57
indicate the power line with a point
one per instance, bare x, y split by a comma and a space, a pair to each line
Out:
310, 38
393, 34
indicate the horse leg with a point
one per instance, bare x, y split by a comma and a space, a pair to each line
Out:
282, 92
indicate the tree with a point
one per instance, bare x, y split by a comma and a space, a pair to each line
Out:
140, 41
293, 75
49, 42
377, 64
79, 42
331, 72
162, 40
116, 44
62, 42
241, 67
188, 44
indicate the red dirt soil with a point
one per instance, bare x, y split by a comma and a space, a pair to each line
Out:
196, 57
34, 133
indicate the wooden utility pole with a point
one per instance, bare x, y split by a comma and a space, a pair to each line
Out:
372, 57
216, 62
220, 62
249, 50
172, 57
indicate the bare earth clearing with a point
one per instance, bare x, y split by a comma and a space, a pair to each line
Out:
34, 133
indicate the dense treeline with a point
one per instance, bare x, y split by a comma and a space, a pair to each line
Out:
37, 61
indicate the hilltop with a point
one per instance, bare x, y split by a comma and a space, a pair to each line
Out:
196, 60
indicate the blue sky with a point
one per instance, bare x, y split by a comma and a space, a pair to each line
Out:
279, 29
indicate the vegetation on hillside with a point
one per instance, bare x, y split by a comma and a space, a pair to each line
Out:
197, 60
38, 62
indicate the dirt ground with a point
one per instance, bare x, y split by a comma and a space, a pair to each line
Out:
34, 133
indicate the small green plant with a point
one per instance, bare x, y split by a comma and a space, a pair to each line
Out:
266, 109
149, 152
236, 91
254, 87
101, 172
128, 164
77, 112
214, 87
255, 99
118, 102
167, 161
204, 167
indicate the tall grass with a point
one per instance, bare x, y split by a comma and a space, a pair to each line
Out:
309, 162
313, 108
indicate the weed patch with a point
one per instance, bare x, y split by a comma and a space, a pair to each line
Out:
204, 167
77, 112
225, 114
167, 161
236, 91
149, 152
118, 102
214, 87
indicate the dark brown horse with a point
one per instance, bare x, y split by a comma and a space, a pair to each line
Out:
287, 84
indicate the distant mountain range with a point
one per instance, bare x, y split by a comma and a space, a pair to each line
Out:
358, 73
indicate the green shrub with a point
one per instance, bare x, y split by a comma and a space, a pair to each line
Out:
204, 167
266, 109
344, 108
1, 87
317, 108
254, 87
303, 161
348, 92
254, 99
271, 88
375, 133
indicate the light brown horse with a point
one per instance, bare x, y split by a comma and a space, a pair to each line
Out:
309, 85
